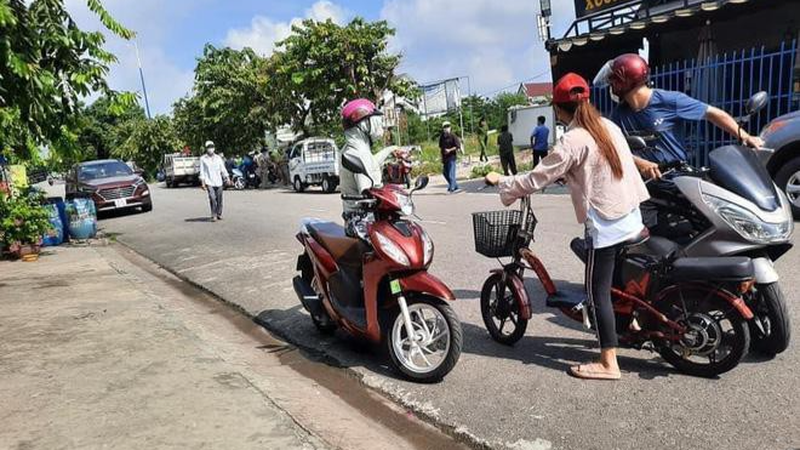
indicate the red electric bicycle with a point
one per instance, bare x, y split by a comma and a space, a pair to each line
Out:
690, 310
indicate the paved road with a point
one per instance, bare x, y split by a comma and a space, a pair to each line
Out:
507, 397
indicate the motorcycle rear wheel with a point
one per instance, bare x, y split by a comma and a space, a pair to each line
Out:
442, 340
500, 309
773, 312
713, 325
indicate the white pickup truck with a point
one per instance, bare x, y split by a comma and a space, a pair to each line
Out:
181, 169
314, 162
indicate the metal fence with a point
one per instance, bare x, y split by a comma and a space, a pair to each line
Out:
726, 81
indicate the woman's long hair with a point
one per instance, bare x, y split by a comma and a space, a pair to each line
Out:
587, 117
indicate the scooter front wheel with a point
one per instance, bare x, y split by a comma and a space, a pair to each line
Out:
501, 312
434, 349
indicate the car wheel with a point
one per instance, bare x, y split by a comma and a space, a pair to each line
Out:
169, 182
147, 207
788, 179
298, 185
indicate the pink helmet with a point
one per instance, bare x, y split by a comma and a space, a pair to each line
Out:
357, 110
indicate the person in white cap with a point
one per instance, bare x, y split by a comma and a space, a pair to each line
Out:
213, 177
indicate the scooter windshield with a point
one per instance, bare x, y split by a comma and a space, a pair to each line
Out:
738, 169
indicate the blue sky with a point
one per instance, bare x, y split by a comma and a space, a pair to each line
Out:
494, 42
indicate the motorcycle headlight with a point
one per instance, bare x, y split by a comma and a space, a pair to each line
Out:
748, 225
406, 205
392, 251
427, 247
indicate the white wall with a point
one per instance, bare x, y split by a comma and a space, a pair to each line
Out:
522, 121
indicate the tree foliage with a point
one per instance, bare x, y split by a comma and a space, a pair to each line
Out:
47, 64
147, 142
321, 65
229, 103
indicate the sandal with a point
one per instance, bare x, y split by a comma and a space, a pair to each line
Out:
586, 372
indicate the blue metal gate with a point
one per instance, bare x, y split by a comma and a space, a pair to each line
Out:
726, 81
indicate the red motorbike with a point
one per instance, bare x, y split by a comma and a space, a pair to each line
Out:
398, 171
690, 310
376, 286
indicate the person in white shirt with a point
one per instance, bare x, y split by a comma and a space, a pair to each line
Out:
213, 177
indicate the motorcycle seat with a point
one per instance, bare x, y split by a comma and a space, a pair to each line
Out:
344, 249
639, 239
712, 269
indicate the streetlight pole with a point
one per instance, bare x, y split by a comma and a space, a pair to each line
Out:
141, 77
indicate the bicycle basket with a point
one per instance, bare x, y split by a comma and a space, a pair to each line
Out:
497, 233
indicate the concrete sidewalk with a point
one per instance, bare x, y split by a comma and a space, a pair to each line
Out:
87, 360
100, 350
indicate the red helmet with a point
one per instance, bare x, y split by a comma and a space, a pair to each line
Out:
357, 110
628, 72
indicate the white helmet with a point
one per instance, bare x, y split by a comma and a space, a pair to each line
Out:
209, 144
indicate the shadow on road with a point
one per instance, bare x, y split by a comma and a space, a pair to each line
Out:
552, 352
198, 219
114, 213
352, 352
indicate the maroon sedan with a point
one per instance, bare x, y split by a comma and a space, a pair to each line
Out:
110, 183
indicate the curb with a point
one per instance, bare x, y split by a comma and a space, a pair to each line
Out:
459, 433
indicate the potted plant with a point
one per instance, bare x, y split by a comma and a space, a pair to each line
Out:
23, 222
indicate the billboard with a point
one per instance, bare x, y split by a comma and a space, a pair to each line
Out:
441, 97
589, 7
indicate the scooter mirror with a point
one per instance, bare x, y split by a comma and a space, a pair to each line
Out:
636, 143
757, 102
421, 182
353, 164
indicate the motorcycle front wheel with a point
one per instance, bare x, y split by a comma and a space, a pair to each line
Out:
501, 312
717, 337
775, 330
435, 350
238, 183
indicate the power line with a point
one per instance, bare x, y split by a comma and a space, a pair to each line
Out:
535, 77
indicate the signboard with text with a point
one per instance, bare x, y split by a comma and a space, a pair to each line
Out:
589, 7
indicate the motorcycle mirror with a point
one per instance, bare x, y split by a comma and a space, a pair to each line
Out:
421, 182
353, 164
636, 143
757, 102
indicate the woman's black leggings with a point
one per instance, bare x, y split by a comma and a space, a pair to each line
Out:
599, 276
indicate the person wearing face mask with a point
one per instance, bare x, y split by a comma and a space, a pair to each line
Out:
449, 145
363, 126
213, 177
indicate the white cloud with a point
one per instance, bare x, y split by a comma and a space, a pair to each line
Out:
166, 81
263, 32
494, 42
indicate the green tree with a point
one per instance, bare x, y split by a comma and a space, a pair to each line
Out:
147, 142
229, 103
102, 123
46, 65
321, 65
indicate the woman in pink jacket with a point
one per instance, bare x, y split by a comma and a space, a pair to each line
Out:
606, 189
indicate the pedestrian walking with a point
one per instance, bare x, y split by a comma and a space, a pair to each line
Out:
539, 140
449, 144
213, 177
263, 163
483, 138
505, 144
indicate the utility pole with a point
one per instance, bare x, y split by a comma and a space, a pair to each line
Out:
141, 77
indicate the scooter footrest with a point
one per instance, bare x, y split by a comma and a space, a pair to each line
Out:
565, 299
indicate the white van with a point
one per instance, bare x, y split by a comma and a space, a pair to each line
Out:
181, 169
314, 162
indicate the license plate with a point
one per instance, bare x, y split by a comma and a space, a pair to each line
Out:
120, 203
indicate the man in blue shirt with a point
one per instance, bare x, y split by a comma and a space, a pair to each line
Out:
659, 115
539, 140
